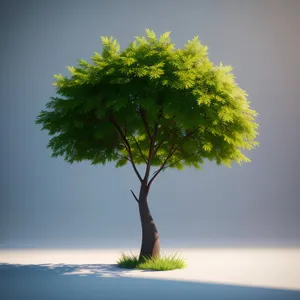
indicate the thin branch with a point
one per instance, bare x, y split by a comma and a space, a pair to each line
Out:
157, 146
171, 152
150, 156
123, 137
135, 197
152, 139
140, 149
142, 113
122, 156
178, 160
162, 141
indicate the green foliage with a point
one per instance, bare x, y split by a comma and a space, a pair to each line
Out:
128, 261
150, 98
163, 263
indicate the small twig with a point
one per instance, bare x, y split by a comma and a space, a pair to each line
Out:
171, 152
178, 160
122, 156
140, 150
135, 197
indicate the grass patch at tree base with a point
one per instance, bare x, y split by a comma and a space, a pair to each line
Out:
162, 263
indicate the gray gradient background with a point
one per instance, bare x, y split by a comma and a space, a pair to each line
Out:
48, 203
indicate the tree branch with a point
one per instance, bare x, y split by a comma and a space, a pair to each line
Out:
178, 160
124, 157
127, 146
142, 113
152, 139
157, 146
140, 149
150, 156
135, 197
171, 152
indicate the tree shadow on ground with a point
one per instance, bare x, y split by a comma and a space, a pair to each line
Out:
108, 282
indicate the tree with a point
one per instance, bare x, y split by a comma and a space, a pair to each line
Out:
149, 104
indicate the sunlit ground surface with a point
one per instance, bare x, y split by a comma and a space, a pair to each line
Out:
211, 273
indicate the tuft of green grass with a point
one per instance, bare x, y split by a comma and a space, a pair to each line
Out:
128, 261
162, 263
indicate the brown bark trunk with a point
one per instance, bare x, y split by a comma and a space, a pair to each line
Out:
150, 247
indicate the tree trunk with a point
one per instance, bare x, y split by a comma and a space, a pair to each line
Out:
150, 240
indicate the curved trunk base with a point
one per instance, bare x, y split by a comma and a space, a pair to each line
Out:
150, 247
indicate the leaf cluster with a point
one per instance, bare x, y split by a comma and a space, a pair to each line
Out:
150, 104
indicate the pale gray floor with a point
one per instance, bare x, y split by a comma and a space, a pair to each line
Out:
39, 282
